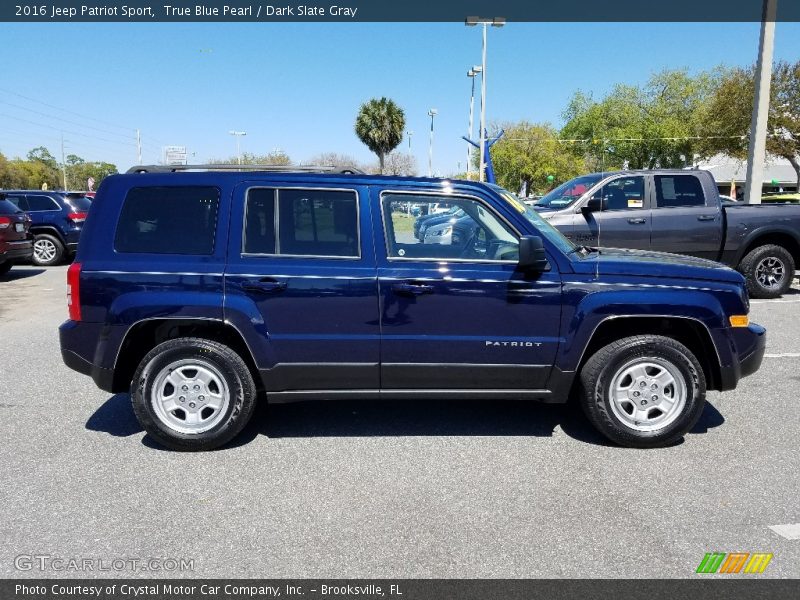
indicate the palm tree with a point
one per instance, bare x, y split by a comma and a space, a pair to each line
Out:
380, 125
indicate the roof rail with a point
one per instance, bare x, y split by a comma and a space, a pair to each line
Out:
346, 170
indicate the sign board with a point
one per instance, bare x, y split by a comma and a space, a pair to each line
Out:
174, 155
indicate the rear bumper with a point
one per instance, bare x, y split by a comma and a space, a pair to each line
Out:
75, 347
747, 345
17, 251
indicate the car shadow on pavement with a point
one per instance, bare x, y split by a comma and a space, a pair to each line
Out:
363, 418
115, 417
15, 274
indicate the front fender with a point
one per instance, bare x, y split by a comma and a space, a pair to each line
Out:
586, 307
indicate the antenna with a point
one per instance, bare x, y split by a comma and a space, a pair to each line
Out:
599, 221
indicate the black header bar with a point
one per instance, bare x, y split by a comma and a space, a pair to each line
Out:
362, 11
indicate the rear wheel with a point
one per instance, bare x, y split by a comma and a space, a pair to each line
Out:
643, 391
47, 250
5, 267
769, 271
193, 394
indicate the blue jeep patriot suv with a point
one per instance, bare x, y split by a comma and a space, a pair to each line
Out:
199, 289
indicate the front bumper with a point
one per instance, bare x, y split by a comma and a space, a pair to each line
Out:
747, 345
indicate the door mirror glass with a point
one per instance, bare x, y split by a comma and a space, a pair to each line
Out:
596, 203
532, 256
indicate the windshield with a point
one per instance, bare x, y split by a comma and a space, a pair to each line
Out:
542, 226
568, 192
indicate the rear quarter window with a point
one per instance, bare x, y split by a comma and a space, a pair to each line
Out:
168, 220
8, 208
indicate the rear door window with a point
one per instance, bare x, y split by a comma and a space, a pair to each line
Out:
18, 201
679, 190
168, 220
38, 203
309, 222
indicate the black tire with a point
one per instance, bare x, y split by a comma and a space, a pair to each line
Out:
52, 243
5, 267
779, 257
231, 369
598, 374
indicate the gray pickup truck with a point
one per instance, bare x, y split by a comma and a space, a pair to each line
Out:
679, 211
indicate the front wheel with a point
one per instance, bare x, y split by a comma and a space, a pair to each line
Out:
193, 394
643, 391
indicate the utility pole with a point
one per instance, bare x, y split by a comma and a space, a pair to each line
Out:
758, 125
139, 146
431, 113
63, 163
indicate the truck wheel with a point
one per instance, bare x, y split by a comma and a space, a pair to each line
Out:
643, 391
47, 250
193, 394
769, 271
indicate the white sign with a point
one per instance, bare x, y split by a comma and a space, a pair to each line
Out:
174, 155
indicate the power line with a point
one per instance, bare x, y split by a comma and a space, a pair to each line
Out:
49, 116
65, 110
115, 142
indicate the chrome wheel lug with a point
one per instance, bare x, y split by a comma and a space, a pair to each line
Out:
185, 388
182, 398
191, 405
654, 398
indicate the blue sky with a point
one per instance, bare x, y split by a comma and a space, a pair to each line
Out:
298, 87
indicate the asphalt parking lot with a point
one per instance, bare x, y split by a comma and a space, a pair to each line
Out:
390, 490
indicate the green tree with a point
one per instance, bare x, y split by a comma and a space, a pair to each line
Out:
654, 125
529, 153
727, 119
379, 125
276, 157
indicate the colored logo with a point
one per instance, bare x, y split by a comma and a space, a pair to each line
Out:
734, 562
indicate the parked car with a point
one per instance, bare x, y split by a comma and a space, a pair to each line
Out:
196, 290
680, 211
456, 230
16, 243
57, 221
422, 224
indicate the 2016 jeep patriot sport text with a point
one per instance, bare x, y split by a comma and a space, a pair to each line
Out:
197, 290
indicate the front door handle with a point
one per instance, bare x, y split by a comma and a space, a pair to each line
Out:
637, 221
412, 288
265, 286
707, 217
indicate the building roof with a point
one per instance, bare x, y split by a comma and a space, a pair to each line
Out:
726, 169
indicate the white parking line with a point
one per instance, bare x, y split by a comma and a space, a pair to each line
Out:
782, 300
784, 355
790, 531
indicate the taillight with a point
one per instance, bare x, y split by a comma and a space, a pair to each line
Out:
78, 217
4, 222
74, 291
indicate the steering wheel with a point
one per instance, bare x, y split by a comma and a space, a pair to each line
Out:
469, 246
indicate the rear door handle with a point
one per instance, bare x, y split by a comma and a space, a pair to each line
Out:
707, 218
265, 286
637, 221
412, 288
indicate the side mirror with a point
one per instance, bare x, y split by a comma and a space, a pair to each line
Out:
531, 254
595, 204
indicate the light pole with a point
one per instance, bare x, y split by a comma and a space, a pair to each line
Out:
409, 134
754, 180
494, 22
471, 74
431, 113
237, 135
